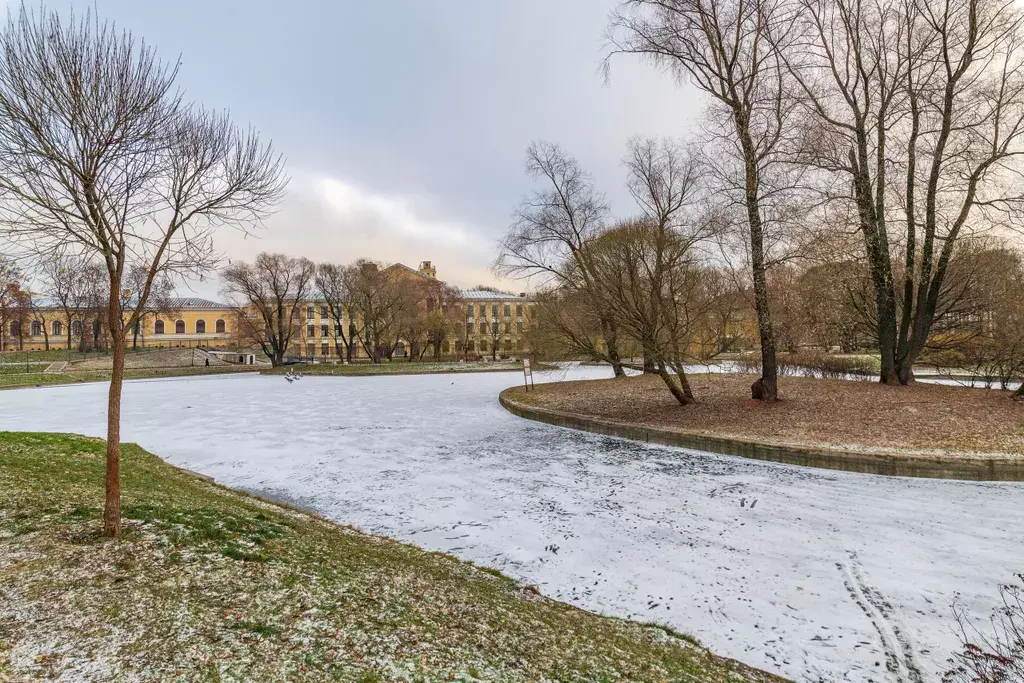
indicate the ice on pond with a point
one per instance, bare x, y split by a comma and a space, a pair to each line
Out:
809, 573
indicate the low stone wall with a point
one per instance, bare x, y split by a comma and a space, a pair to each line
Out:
972, 468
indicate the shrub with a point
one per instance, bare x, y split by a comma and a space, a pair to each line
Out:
996, 656
816, 364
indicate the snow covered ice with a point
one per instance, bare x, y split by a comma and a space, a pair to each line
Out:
813, 574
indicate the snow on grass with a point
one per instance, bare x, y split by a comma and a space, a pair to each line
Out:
807, 573
208, 584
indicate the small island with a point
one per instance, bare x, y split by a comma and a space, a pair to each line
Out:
926, 430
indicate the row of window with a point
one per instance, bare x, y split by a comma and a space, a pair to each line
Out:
324, 330
483, 327
506, 345
179, 327
57, 327
494, 310
470, 310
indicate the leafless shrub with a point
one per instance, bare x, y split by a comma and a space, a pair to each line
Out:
994, 654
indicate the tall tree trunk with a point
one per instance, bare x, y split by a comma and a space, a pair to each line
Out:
611, 336
650, 367
762, 301
112, 507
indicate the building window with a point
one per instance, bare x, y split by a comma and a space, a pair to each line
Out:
483, 326
323, 331
158, 327
37, 328
200, 326
310, 330
76, 327
337, 330
56, 328
324, 349
179, 327
519, 327
508, 310
221, 327
309, 312
494, 311
469, 311
15, 328
519, 310
323, 311
469, 328
483, 345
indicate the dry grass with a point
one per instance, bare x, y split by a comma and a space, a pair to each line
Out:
152, 359
924, 418
208, 585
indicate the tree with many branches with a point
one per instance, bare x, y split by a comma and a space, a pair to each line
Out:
270, 295
99, 149
552, 227
915, 120
730, 49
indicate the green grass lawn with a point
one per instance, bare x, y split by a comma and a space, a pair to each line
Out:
401, 367
54, 355
209, 584
23, 379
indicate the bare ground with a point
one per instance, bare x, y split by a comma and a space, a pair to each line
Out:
924, 419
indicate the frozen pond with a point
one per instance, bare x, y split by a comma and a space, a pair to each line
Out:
814, 574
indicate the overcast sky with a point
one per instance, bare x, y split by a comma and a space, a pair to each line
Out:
405, 123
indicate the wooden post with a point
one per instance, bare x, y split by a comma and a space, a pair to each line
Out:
527, 374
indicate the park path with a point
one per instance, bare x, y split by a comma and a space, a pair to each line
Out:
814, 574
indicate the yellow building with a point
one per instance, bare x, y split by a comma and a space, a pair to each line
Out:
495, 325
187, 321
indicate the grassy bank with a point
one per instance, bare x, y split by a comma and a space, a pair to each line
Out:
402, 368
36, 379
209, 584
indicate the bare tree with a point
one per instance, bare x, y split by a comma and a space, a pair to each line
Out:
161, 300
98, 149
332, 283
728, 49
443, 317
646, 269
97, 293
916, 122
10, 288
66, 276
37, 316
387, 302
270, 296
645, 277
552, 227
